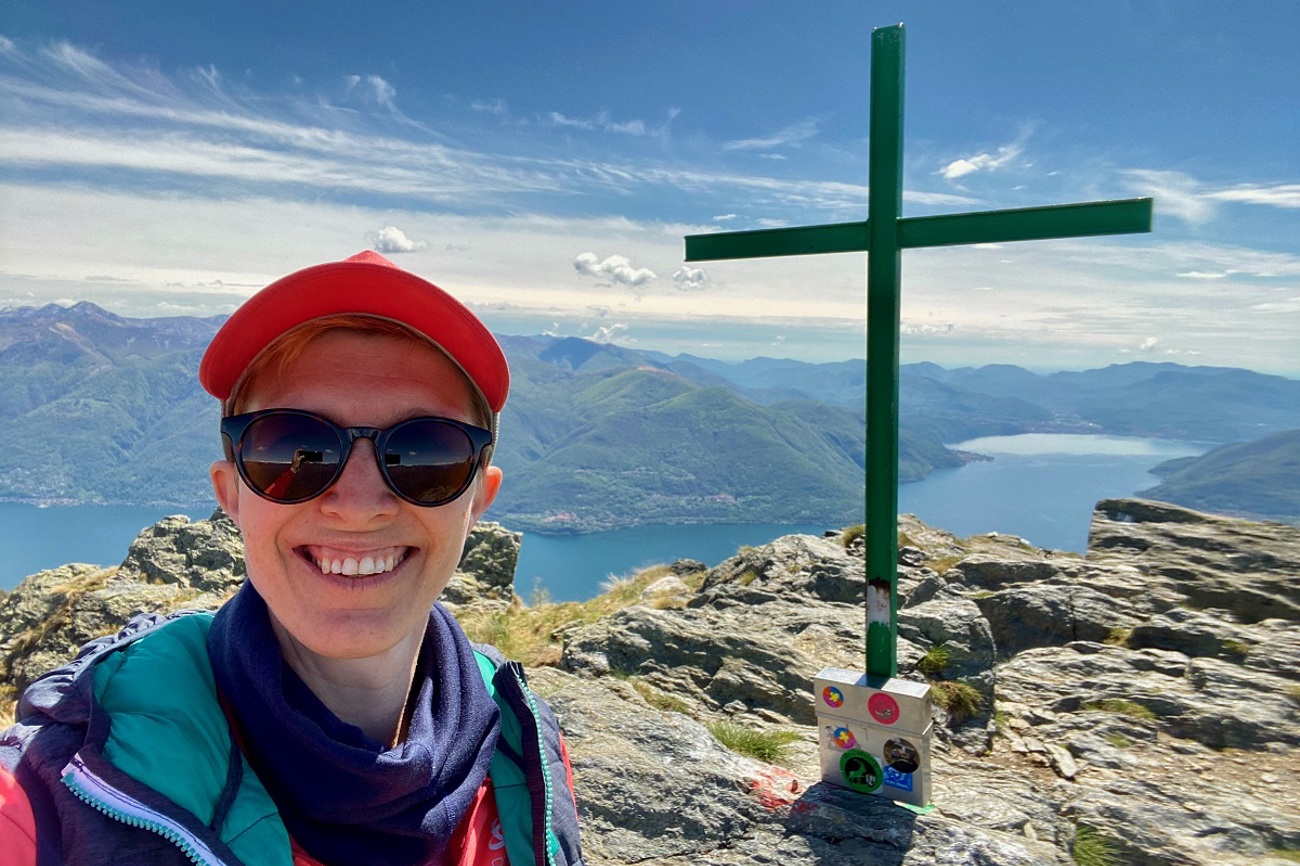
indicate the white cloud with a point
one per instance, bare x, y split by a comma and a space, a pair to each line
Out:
1005, 156
607, 333
615, 268
790, 136
1176, 194
1148, 344
690, 279
910, 329
722, 218
494, 106
600, 122
391, 239
1285, 195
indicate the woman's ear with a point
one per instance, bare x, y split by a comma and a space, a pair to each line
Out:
225, 485
489, 483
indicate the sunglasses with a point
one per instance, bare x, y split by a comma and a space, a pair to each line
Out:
291, 455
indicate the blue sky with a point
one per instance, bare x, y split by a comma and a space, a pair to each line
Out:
543, 161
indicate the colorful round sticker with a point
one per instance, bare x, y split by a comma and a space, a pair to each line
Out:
883, 708
833, 697
861, 771
843, 738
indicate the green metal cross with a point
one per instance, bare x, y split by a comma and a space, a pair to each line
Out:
885, 233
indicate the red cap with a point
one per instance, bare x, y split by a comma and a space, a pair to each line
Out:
366, 284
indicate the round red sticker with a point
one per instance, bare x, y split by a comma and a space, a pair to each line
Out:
883, 708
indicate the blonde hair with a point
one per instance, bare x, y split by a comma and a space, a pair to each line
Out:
288, 346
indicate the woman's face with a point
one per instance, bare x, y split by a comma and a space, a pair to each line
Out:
356, 379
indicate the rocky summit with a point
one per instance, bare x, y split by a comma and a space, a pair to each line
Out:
1139, 704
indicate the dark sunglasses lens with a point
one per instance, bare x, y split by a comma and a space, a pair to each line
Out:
429, 461
289, 457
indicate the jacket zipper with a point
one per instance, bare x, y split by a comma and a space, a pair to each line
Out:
104, 798
518, 675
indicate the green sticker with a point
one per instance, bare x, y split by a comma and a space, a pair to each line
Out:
861, 771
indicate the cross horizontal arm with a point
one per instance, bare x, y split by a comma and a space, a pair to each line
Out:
761, 243
1126, 216
1028, 224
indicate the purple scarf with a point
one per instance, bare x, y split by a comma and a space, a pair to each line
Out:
345, 798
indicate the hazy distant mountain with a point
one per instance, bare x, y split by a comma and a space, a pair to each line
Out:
101, 408
1258, 479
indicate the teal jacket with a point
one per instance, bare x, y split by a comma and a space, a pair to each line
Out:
133, 730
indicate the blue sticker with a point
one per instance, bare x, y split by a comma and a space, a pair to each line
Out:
895, 779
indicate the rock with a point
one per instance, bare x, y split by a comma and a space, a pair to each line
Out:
486, 573
668, 587
1145, 696
206, 555
657, 787
1210, 562
1051, 614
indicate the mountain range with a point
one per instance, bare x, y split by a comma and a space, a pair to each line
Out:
102, 408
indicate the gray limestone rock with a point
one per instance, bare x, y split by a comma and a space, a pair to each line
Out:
1145, 696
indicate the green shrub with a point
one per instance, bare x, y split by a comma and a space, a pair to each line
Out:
767, 746
1119, 741
852, 534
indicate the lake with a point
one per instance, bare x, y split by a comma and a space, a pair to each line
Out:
1038, 486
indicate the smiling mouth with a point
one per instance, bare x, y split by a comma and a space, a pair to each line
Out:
354, 563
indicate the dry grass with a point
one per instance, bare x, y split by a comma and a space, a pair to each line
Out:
532, 635
959, 698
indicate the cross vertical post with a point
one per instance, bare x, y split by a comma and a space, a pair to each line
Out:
876, 728
884, 273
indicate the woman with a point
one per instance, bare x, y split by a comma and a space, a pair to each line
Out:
332, 712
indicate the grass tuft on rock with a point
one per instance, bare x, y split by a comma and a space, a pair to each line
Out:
1122, 707
1118, 636
959, 698
1093, 849
936, 658
770, 747
661, 701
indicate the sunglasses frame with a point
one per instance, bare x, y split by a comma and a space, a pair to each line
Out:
234, 427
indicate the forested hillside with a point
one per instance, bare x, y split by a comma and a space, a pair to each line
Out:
101, 408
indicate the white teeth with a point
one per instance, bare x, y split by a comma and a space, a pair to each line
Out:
352, 566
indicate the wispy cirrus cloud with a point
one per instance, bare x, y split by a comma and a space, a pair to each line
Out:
1194, 201
1003, 157
1283, 195
793, 135
601, 121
